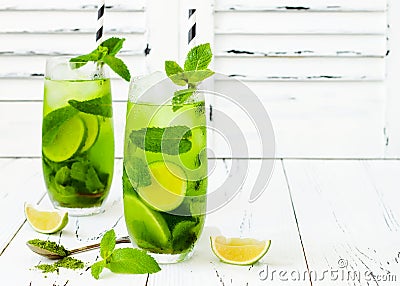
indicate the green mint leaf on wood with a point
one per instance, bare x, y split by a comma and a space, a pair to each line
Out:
107, 244
118, 66
198, 58
123, 260
98, 106
53, 121
132, 261
172, 140
97, 268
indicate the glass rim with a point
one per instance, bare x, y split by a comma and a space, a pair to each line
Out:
60, 68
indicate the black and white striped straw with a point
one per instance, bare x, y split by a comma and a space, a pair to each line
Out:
100, 21
192, 28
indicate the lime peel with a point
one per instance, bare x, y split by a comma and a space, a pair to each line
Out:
45, 221
239, 251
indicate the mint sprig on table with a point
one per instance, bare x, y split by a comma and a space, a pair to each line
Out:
123, 260
194, 71
106, 53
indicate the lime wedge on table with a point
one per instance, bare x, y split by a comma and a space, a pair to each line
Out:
148, 225
168, 186
239, 251
45, 221
93, 127
70, 137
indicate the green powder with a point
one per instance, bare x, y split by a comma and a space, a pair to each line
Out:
50, 246
66, 262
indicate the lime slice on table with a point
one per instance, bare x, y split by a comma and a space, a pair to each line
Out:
239, 251
147, 225
70, 137
93, 126
168, 186
45, 221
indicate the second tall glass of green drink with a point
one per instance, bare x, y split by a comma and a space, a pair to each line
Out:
77, 135
165, 169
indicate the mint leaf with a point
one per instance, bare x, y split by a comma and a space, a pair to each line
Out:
137, 172
97, 268
194, 77
93, 182
114, 45
132, 261
53, 121
198, 58
180, 96
172, 67
98, 106
63, 175
107, 244
79, 171
172, 140
183, 235
118, 66
105, 53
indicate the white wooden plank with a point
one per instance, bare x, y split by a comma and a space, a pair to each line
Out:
327, 120
300, 5
309, 45
353, 222
298, 68
236, 218
79, 231
71, 22
20, 182
31, 44
324, 121
22, 66
300, 23
71, 5
392, 119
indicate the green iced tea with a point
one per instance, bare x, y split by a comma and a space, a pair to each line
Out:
165, 176
77, 142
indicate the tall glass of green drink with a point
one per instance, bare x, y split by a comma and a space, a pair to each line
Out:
77, 135
165, 169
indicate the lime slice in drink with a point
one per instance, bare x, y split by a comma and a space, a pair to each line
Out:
239, 251
93, 127
168, 186
147, 225
45, 221
68, 141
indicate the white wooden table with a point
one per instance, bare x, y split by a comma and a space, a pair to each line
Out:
332, 222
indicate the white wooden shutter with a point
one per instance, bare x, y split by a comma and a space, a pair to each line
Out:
31, 31
317, 66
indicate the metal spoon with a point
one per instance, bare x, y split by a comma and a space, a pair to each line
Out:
51, 255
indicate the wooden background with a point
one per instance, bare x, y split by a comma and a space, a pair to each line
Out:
319, 67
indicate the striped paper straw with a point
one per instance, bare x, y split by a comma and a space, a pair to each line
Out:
100, 21
192, 28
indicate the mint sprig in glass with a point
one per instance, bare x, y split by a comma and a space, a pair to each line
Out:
165, 158
77, 128
195, 70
